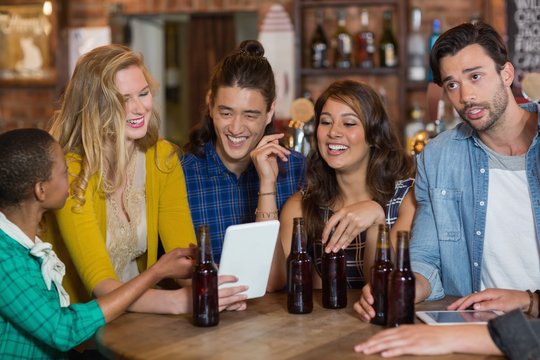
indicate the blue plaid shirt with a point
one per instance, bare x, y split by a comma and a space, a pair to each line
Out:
218, 198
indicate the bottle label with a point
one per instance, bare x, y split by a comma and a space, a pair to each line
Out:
390, 55
417, 73
344, 43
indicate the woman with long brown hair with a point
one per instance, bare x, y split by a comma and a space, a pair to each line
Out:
358, 176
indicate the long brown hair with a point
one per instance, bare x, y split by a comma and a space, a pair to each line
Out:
388, 161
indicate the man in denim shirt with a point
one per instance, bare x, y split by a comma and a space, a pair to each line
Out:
477, 186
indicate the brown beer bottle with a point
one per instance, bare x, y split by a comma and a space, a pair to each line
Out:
299, 282
205, 283
401, 287
334, 279
380, 272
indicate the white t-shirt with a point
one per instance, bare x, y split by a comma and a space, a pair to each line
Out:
511, 255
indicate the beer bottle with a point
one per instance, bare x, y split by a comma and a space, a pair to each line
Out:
319, 44
365, 43
334, 275
380, 272
388, 48
401, 285
205, 283
334, 280
343, 43
299, 282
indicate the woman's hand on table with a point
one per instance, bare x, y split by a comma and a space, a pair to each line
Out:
350, 221
231, 298
493, 299
413, 340
364, 306
429, 340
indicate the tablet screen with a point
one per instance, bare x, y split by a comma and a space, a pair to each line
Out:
247, 253
457, 317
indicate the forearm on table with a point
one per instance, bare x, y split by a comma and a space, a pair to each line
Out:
474, 339
141, 298
278, 275
423, 288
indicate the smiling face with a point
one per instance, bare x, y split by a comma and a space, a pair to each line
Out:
138, 99
475, 88
341, 138
239, 118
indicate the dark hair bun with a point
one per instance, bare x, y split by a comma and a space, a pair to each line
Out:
252, 47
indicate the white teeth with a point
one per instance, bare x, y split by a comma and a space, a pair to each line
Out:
237, 140
135, 121
474, 111
337, 147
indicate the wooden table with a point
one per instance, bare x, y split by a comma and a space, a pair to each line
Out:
264, 331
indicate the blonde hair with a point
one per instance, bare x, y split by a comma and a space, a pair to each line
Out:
91, 119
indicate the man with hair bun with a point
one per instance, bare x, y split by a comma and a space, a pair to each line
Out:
236, 171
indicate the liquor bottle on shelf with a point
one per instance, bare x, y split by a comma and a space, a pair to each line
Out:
334, 277
172, 70
380, 273
401, 286
365, 43
435, 33
416, 48
205, 283
343, 43
415, 125
388, 47
319, 44
299, 281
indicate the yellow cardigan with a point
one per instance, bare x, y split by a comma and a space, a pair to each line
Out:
79, 238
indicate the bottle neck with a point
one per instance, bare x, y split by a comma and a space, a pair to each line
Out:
298, 243
383, 245
403, 261
205, 247
364, 19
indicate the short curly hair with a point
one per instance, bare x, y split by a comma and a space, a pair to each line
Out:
25, 159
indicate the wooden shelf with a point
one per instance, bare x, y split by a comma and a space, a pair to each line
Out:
337, 3
377, 71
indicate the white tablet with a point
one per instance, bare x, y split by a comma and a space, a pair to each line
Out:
457, 317
247, 254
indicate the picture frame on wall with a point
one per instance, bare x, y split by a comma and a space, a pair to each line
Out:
27, 32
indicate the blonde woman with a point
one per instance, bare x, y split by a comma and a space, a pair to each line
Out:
126, 185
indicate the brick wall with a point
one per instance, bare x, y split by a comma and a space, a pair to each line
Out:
33, 104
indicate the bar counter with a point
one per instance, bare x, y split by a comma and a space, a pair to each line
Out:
264, 331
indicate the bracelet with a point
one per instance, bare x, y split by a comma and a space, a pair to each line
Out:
266, 214
531, 301
267, 193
